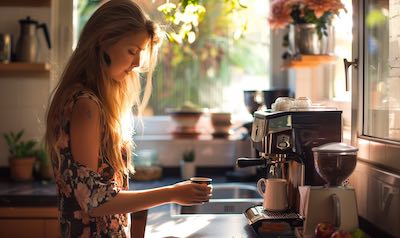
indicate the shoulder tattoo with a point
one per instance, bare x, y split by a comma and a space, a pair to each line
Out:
89, 114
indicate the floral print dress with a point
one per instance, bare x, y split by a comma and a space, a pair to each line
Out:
80, 189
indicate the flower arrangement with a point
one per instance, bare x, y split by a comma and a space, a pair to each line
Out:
318, 12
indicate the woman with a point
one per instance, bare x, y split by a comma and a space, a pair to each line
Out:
86, 126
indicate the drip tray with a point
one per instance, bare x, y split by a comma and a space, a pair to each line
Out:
257, 215
273, 224
281, 215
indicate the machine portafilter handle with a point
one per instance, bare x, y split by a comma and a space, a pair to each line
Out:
248, 162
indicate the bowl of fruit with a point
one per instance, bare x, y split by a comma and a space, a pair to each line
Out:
328, 230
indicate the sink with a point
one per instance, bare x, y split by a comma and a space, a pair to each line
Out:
232, 198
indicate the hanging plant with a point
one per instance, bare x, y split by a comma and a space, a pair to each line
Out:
186, 15
237, 17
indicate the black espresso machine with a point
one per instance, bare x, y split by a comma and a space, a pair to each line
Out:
284, 141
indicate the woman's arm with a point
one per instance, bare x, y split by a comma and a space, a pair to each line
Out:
85, 133
184, 193
85, 146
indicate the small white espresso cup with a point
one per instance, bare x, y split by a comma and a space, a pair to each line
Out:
275, 194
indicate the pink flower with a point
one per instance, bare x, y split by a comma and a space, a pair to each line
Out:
81, 215
64, 188
280, 14
82, 172
97, 197
114, 224
82, 194
320, 7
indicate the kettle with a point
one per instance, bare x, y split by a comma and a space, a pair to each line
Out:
28, 47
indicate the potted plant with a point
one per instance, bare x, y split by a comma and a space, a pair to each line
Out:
309, 22
22, 156
188, 168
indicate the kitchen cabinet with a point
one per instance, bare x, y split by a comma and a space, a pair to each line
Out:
34, 222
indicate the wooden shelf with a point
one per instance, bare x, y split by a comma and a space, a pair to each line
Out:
19, 68
25, 3
307, 61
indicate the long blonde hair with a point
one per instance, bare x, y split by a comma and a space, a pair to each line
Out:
87, 67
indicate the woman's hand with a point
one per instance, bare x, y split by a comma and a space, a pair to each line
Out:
187, 193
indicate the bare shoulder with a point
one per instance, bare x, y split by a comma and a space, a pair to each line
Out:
85, 132
86, 109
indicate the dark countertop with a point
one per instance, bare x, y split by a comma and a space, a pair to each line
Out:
27, 194
159, 222
43, 193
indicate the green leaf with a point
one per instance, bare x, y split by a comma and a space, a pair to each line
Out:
17, 147
189, 155
19, 135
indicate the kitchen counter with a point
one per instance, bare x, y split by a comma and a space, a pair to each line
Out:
159, 222
42, 193
28, 194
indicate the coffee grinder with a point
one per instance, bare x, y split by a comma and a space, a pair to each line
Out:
285, 140
332, 203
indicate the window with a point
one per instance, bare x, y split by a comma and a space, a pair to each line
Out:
382, 69
214, 70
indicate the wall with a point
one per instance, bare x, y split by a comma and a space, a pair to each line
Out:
23, 99
153, 133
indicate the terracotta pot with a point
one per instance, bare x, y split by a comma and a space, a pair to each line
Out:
21, 168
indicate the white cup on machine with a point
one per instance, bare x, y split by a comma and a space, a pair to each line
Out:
275, 194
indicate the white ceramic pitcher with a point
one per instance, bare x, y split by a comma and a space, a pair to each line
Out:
275, 194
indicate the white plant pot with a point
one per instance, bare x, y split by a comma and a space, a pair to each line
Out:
188, 169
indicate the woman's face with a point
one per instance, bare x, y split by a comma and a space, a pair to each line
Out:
125, 54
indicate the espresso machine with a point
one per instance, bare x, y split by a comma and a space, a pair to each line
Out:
284, 141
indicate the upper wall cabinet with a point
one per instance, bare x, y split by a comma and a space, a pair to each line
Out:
25, 3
